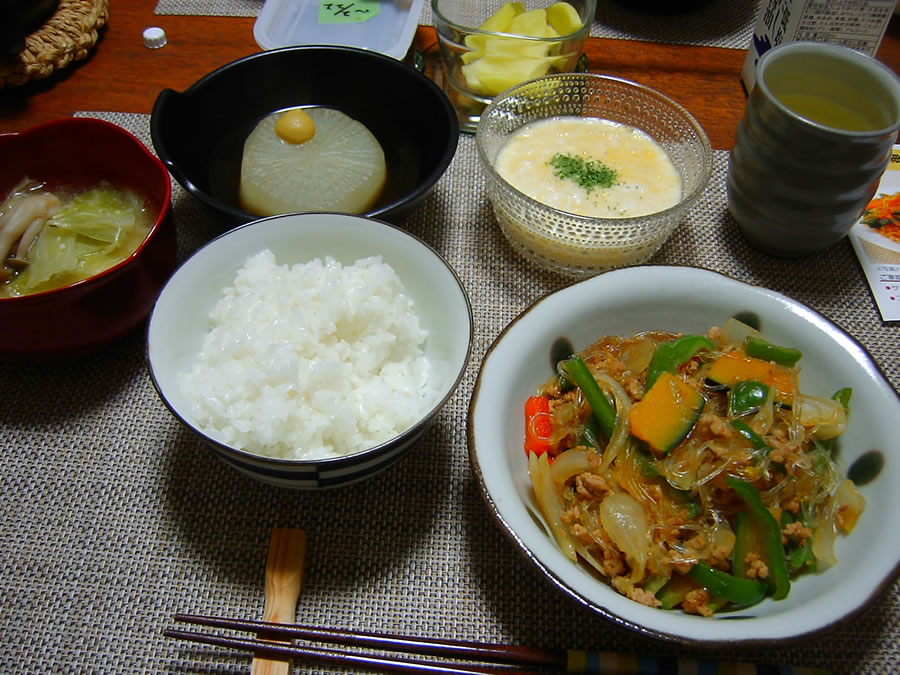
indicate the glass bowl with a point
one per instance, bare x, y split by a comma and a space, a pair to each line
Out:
485, 49
584, 245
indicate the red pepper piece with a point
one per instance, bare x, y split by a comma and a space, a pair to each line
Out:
538, 425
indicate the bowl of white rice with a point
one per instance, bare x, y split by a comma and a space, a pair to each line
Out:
310, 350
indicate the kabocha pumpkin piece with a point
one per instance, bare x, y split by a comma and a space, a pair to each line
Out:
734, 367
667, 413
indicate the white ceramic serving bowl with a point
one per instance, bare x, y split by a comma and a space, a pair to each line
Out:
683, 299
180, 321
584, 245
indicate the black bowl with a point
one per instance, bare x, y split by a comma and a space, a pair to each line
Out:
199, 133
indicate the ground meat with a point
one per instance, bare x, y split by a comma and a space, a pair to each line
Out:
697, 602
797, 532
691, 367
581, 534
614, 563
697, 542
756, 568
591, 485
792, 505
604, 362
719, 555
679, 562
571, 515
783, 451
644, 597
716, 424
633, 386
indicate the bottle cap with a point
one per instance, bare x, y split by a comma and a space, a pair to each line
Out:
154, 37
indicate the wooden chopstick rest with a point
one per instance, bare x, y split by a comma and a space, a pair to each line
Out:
284, 579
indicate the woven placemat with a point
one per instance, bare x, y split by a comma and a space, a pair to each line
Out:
114, 517
716, 23
67, 36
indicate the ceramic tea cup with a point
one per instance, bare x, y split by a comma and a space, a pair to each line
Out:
815, 137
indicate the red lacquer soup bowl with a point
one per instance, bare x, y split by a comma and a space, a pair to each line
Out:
73, 154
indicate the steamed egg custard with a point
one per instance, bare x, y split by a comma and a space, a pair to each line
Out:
311, 159
590, 167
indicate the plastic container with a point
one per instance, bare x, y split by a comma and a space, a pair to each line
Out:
385, 26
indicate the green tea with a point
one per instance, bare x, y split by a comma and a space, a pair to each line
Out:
828, 112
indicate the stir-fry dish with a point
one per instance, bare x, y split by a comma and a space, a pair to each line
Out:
883, 215
690, 471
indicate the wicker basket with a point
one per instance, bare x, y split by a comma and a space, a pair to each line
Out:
67, 36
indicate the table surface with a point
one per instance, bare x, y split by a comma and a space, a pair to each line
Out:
112, 517
123, 76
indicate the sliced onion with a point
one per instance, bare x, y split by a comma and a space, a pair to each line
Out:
571, 463
734, 332
622, 431
765, 417
637, 355
549, 502
851, 502
824, 417
825, 533
626, 523
823, 541
720, 536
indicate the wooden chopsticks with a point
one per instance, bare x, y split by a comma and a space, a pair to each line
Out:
482, 658
284, 579
479, 657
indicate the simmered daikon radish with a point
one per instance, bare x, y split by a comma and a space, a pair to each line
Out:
340, 168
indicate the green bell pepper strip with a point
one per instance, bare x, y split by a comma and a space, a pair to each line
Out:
590, 434
747, 396
842, 396
673, 593
765, 350
741, 592
648, 467
744, 430
745, 542
605, 412
669, 355
770, 536
798, 555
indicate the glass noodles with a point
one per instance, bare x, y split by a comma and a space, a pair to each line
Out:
690, 471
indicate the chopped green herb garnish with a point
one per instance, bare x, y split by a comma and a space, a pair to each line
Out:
587, 174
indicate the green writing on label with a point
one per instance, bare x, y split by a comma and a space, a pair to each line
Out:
348, 12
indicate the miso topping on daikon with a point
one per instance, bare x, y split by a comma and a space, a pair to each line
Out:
295, 126
340, 167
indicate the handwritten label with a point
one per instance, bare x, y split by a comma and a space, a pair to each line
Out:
348, 12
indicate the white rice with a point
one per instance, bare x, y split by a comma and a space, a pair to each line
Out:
311, 360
